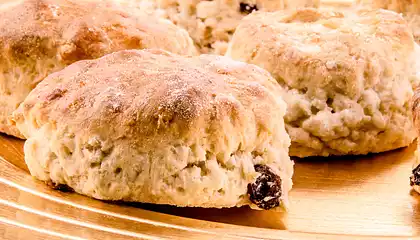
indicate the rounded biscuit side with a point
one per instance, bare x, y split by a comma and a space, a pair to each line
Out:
155, 127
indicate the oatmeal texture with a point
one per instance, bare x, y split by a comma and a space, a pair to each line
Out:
151, 126
212, 23
347, 78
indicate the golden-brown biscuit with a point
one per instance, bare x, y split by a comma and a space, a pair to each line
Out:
155, 127
347, 78
38, 37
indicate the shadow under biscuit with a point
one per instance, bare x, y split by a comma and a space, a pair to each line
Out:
243, 216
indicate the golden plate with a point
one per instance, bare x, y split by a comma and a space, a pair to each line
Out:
334, 198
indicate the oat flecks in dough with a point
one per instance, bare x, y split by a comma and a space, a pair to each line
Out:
150, 126
38, 37
347, 79
212, 23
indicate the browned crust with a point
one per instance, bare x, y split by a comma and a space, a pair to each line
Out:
38, 37
151, 126
158, 95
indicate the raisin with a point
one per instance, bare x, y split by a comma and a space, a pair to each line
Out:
265, 192
415, 177
246, 8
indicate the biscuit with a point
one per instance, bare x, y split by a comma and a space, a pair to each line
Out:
347, 78
410, 10
155, 127
38, 37
212, 23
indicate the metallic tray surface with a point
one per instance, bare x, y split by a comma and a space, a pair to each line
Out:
335, 198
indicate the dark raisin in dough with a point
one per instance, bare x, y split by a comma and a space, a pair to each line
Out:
265, 192
415, 177
246, 8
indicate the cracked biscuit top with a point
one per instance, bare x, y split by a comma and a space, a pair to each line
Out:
38, 37
152, 126
347, 78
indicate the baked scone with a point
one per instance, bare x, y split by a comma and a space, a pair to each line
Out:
155, 127
38, 37
347, 79
212, 23
410, 9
